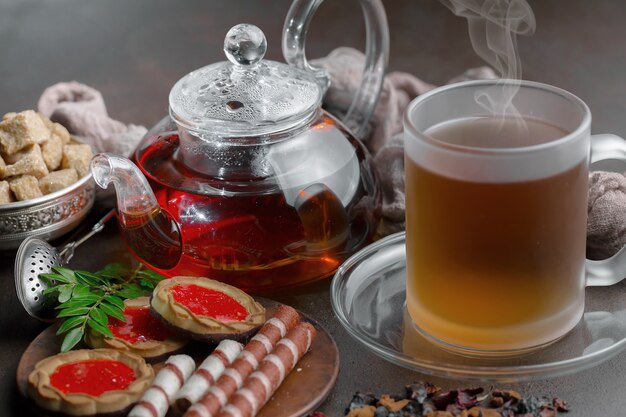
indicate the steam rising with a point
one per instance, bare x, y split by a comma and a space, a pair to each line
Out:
493, 29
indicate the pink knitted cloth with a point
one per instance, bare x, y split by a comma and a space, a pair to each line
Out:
82, 111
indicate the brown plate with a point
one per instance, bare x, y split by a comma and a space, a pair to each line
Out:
300, 393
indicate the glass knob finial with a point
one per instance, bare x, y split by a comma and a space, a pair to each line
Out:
245, 44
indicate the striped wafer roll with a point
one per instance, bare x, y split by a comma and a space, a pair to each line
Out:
285, 319
262, 383
207, 373
156, 400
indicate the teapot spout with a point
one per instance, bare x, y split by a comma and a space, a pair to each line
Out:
134, 194
150, 233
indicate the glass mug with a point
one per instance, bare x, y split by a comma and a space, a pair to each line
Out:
496, 214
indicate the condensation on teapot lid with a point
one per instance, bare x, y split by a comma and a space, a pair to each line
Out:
247, 96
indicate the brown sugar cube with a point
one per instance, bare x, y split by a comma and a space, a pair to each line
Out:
27, 162
21, 130
56, 129
5, 193
25, 187
77, 156
46, 121
52, 152
11, 159
60, 131
3, 167
57, 180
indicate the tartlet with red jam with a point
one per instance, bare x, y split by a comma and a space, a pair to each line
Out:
141, 334
89, 382
207, 310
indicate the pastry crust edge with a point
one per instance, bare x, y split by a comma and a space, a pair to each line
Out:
50, 398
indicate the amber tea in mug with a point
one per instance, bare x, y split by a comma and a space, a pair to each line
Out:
496, 211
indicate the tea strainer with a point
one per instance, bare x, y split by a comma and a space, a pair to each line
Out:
36, 256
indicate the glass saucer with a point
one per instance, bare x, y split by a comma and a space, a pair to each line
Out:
368, 297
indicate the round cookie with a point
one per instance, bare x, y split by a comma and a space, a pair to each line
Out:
141, 334
206, 309
89, 382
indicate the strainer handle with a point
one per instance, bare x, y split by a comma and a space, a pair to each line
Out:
376, 56
68, 250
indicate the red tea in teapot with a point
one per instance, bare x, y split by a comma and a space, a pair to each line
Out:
250, 240
153, 237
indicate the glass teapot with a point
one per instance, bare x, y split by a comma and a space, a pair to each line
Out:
248, 181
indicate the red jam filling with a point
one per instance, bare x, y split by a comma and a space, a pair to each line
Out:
140, 326
93, 377
207, 302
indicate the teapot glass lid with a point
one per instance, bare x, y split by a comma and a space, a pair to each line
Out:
246, 95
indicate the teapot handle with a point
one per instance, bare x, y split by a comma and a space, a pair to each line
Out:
376, 56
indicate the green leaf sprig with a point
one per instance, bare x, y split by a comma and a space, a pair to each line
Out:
88, 299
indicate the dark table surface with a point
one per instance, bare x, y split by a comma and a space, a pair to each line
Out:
133, 51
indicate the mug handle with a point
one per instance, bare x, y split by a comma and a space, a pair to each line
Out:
376, 56
612, 270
